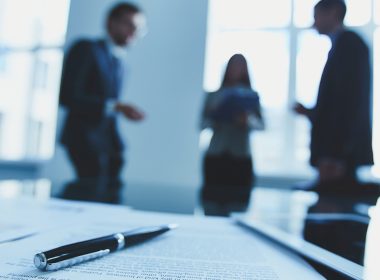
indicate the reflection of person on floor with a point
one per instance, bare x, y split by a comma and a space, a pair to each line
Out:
90, 91
231, 112
341, 120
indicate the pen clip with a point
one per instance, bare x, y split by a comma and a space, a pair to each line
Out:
43, 264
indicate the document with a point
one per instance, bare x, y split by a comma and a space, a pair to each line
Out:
201, 248
19, 220
26, 216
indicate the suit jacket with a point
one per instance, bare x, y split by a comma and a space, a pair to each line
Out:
341, 119
91, 77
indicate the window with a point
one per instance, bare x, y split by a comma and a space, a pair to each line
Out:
232, 15
31, 36
286, 58
376, 11
303, 13
254, 44
358, 12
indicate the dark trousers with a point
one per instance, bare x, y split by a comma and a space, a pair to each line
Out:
228, 182
98, 176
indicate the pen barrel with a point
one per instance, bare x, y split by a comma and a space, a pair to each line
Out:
75, 253
78, 252
135, 237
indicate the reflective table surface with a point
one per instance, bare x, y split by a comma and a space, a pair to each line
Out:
344, 223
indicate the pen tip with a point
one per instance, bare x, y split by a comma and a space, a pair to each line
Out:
172, 226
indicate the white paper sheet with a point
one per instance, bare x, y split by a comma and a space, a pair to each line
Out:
201, 248
25, 216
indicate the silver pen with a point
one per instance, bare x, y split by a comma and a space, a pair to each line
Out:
79, 252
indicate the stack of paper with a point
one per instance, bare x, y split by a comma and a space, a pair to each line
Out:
201, 248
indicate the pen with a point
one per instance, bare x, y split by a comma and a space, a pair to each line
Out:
79, 252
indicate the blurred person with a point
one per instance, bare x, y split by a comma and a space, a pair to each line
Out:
231, 112
90, 91
341, 137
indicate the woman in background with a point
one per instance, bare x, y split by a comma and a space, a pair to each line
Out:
231, 112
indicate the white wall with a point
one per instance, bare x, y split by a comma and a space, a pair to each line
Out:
165, 80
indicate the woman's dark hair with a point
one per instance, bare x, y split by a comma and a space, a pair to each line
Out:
245, 80
121, 8
328, 4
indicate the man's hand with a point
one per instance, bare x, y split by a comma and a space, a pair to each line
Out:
301, 110
129, 111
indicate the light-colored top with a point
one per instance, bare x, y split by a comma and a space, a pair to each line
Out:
230, 137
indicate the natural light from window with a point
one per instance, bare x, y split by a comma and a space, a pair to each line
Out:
286, 58
31, 37
376, 11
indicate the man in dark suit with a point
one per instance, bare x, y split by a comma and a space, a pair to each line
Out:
341, 137
90, 91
